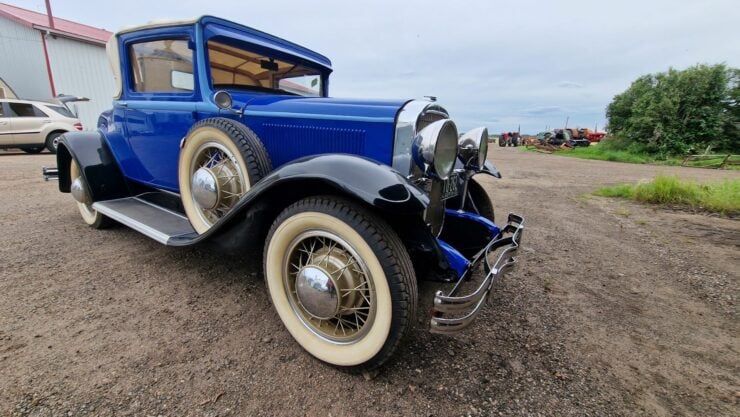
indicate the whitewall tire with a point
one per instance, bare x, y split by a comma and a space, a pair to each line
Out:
341, 281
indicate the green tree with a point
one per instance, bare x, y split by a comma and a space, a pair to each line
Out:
678, 111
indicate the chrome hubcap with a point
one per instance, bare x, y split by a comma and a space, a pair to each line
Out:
78, 191
329, 287
217, 181
204, 187
317, 292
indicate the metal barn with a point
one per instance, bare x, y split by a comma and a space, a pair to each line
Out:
42, 57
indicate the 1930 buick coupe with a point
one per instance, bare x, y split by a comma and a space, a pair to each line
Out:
223, 133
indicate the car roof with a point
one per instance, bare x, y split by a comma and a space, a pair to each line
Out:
252, 33
247, 33
19, 100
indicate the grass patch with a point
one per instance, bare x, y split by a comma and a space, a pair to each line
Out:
602, 153
721, 197
617, 150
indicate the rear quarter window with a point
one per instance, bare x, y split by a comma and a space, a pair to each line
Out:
62, 110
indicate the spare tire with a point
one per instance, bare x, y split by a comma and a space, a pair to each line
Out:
220, 160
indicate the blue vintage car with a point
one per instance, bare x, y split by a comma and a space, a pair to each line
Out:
222, 133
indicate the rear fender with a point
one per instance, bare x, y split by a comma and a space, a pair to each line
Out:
98, 167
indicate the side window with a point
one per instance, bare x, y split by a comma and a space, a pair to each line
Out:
25, 110
164, 66
39, 113
2, 109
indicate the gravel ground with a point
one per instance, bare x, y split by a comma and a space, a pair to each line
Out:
615, 309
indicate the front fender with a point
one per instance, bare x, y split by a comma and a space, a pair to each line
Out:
97, 165
375, 184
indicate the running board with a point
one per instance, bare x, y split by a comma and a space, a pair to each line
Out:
157, 222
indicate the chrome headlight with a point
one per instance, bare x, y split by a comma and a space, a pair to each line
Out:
473, 147
435, 148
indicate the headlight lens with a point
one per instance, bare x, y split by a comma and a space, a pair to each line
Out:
483, 152
473, 147
435, 148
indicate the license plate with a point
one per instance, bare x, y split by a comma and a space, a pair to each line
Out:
449, 187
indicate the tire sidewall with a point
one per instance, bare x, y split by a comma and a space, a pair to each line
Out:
346, 355
193, 142
90, 216
50, 141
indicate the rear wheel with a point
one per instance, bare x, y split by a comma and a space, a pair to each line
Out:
220, 160
52, 141
341, 282
92, 217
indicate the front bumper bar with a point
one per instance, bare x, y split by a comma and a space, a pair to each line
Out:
453, 313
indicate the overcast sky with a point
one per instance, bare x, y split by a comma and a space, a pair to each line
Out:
498, 64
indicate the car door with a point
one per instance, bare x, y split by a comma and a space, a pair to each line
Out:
159, 107
6, 135
26, 123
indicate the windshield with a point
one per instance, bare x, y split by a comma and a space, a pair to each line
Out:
233, 67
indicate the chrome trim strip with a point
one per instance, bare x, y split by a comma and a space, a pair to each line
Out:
319, 116
405, 132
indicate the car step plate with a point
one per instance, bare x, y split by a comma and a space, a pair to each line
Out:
154, 221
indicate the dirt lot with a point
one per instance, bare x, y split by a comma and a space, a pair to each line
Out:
616, 309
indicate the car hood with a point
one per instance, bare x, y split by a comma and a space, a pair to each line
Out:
322, 108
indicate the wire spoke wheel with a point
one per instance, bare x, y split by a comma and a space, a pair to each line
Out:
219, 161
218, 181
329, 287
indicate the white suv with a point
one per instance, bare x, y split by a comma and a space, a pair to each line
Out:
34, 125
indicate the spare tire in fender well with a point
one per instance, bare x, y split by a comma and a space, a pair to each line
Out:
375, 185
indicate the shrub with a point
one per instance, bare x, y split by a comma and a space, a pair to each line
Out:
677, 112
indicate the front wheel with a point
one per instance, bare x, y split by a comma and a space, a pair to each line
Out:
33, 150
341, 281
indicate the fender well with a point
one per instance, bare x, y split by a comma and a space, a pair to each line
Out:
97, 165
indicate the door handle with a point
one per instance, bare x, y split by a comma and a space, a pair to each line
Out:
122, 104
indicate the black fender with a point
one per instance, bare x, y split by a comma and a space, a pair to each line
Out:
98, 167
490, 169
353, 177
377, 186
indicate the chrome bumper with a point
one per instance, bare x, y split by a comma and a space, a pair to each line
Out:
452, 313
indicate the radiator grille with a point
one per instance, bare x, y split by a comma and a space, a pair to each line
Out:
431, 114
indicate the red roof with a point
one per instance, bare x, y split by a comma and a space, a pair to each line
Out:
62, 27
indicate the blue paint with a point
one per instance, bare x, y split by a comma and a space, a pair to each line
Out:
317, 116
457, 261
484, 222
145, 129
